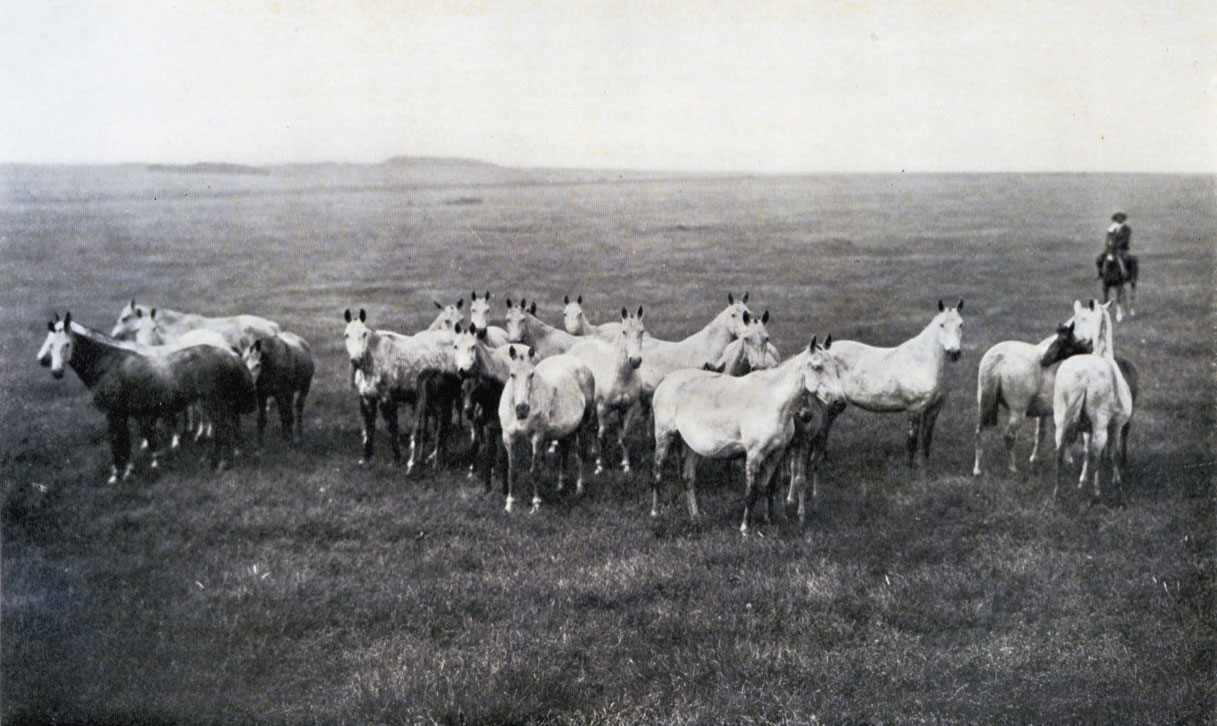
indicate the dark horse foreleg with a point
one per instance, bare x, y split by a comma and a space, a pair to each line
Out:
926, 434
367, 409
262, 404
120, 447
388, 411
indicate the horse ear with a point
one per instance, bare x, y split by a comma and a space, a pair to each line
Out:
625, 314
640, 312
511, 351
579, 299
347, 315
814, 340
258, 344
457, 328
486, 296
730, 299
50, 324
959, 307
363, 315
460, 303
473, 296
1090, 305
747, 318
152, 314
132, 303
436, 304
532, 309
941, 307
765, 318
508, 301
744, 299
828, 342
566, 299
139, 313
67, 322
532, 353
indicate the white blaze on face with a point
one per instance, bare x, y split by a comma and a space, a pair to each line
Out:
355, 338
515, 321
253, 360
464, 348
479, 310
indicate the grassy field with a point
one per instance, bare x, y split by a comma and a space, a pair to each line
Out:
300, 588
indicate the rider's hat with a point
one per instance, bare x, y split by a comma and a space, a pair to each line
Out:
1119, 217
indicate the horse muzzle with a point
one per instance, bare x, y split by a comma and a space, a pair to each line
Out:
954, 354
522, 411
57, 372
635, 363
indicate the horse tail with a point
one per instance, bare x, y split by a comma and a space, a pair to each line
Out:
988, 394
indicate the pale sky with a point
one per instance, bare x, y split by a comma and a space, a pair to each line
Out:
722, 85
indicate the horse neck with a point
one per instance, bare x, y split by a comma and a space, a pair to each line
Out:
714, 336
582, 325
926, 343
785, 382
539, 331
735, 359
1104, 348
490, 363
93, 357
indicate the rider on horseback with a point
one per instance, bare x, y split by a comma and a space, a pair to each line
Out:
1119, 236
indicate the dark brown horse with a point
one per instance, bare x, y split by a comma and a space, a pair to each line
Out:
1117, 277
129, 382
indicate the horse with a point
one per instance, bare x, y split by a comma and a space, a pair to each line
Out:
551, 399
479, 311
719, 416
908, 377
240, 331
524, 327
576, 323
1092, 392
282, 368
384, 372
1020, 376
661, 357
485, 371
1113, 275
128, 382
614, 364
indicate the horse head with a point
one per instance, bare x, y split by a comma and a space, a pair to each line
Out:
449, 315
522, 371
146, 330
465, 348
632, 331
755, 341
57, 350
253, 356
128, 322
479, 309
1064, 345
357, 337
732, 316
1087, 322
822, 375
572, 314
950, 329
516, 315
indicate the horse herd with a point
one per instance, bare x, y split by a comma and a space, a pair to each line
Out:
722, 392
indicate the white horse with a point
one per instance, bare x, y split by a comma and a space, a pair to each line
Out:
523, 326
661, 357
576, 323
908, 377
479, 312
614, 363
1020, 376
1091, 391
384, 372
719, 416
752, 351
548, 400
240, 331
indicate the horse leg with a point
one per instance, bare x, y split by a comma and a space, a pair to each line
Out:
147, 430
1041, 425
753, 466
367, 409
1059, 436
627, 420
298, 432
120, 448
911, 439
769, 480
926, 434
976, 442
388, 411
537, 441
284, 402
263, 405
797, 465
418, 431
1085, 460
1098, 447
509, 481
690, 475
1009, 436
663, 441
601, 426
563, 455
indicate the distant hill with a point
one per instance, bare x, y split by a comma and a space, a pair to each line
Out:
210, 167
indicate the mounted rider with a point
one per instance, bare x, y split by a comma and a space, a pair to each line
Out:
1119, 237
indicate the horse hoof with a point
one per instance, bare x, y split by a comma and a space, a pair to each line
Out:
510, 501
599, 470
536, 505
625, 467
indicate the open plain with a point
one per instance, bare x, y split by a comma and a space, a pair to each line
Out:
298, 587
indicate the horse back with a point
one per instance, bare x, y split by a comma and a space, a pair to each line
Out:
214, 377
141, 385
